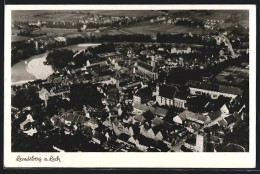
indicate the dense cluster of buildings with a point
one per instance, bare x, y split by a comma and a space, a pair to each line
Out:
139, 112
162, 117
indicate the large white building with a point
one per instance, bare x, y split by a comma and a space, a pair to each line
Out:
201, 142
143, 68
181, 50
214, 90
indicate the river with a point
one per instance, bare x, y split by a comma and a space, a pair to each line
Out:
33, 67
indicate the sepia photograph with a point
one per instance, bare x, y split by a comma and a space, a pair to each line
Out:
169, 81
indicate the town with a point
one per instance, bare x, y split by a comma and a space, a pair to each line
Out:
132, 92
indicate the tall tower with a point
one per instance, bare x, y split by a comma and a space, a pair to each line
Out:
153, 62
201, 142
181, 63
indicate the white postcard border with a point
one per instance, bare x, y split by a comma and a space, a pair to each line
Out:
132, 159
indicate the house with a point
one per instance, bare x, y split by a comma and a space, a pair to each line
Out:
128, 129
44, 95
181, 50
141, 108
139, 119
160, 112
93, 123
127, 119
214, 90
219, 104
102, 76
74, 118
157, 122
170, 95
147, 70
190, 142
143, 95
191, 116
228, 122
215, 115
153, 133
26, 123
98, 137
60, 39
31, 131
185, 149
148, 142
123, 138
201, 142
96, 61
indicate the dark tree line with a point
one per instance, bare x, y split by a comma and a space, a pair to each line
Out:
26, 97
22, 50
59, 59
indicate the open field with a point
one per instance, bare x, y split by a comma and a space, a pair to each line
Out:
15, 38
153, 29
50, 32
127, 12
57, 31
110, 32
213, 14
56, 15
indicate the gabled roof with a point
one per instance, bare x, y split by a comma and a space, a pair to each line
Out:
152, 143
145, 66
215, 87
97, 60
222, 122
160, 111
215, 105
230, 90
124, 137
157, 121
142, 107
192, 116
191, 140
230, 119
140, 118
75, 118
214, 115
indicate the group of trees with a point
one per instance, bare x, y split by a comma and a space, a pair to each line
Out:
29, 33
125, 38
59, 59
190, 23
26, 97
85, 94
22, 50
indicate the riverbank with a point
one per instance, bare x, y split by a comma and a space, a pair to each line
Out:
37, 68
33, 67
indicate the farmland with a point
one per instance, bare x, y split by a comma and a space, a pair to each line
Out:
242, 15
47, 15
50, 32
126, 12
153, 29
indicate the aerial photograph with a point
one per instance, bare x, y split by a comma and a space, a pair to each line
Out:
129, 81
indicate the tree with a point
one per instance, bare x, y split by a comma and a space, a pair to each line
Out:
26, 97
59, 59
